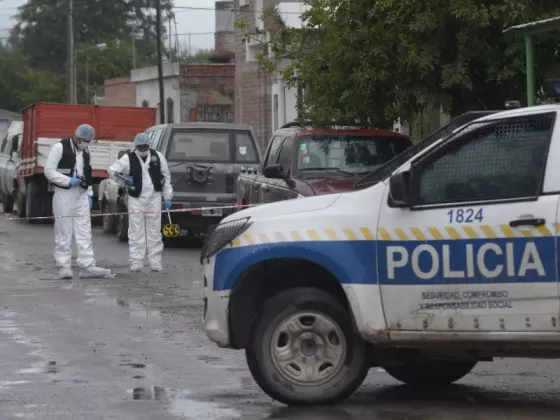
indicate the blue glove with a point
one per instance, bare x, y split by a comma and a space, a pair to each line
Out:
167, 204
130, 181
90, 199
75, 182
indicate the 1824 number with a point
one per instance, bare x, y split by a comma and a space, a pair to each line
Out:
465, 215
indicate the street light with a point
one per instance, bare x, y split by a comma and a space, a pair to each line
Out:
99, 47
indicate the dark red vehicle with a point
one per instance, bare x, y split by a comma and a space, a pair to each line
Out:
301, 162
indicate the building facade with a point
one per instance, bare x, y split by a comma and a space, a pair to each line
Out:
192, 92
225, 30
262, 99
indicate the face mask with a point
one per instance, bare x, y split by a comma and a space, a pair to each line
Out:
142, 154
82, 146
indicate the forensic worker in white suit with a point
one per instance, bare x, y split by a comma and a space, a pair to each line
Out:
148, 179
68, 169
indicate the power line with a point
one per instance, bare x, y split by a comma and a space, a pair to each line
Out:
184, 9
244, 9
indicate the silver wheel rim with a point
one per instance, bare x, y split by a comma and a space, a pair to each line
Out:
308, 348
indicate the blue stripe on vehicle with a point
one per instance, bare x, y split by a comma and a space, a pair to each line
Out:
352, 262
355, 262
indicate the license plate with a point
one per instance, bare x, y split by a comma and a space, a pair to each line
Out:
212, 212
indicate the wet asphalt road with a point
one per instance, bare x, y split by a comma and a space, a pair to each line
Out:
133, 348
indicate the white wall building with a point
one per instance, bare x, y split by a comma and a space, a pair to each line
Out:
284, 98
147, 89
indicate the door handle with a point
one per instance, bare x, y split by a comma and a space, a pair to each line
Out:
266, 190
527, 222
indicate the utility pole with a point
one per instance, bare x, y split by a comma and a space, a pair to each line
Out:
169, 36
159, 64
71, 56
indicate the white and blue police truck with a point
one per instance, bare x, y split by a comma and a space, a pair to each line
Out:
448, 258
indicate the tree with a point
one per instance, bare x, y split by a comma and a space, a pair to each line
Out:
41, 32
369, 63
12, 79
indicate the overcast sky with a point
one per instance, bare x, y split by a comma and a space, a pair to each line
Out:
196, 22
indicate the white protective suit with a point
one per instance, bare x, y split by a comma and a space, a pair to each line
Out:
69, 202
144, 230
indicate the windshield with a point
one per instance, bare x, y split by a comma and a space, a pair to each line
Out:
391, 166
199, 146
348, 153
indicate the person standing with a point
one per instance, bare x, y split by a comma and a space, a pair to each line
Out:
148, 178
68, 169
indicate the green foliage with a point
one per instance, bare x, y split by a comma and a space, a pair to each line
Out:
369, 63
34, 67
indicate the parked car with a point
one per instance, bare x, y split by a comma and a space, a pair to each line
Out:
9, 164
302, 161
204, 160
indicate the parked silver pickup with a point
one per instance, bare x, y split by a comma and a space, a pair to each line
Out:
205, 160
9, 164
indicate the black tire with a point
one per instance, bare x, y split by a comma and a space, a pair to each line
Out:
33, 198
109, 222
20, 205
429, 372
8, 203
122, 222
346, 379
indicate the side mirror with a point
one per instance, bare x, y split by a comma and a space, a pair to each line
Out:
275, 171
399, 191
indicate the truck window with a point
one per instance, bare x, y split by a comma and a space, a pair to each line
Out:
4, 148
156, 138
199, 146
245, 151
352, 153
274, 150
285, 158
491, 161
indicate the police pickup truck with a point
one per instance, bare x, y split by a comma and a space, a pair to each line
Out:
447, 259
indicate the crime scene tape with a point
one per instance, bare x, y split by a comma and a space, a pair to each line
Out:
185, 210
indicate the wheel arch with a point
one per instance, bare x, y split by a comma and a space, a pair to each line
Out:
268, 277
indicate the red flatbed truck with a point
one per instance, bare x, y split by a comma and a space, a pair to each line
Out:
45, 124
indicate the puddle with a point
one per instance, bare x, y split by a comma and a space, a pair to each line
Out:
10, 384
181, 404
37, 368
134, 365
101, 297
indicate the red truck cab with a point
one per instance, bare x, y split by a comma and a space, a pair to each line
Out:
302, 161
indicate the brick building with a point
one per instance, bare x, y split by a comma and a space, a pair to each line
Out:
193, 92
262, 99
119, 92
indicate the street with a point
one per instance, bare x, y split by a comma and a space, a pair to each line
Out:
133, 347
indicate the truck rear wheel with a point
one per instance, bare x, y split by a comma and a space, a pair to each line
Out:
20, 205
304, 350
32, 201
429, 372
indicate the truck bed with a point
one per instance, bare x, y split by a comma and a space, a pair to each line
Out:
103, 154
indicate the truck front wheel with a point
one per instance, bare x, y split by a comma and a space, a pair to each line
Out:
109, 222
8, 203
122, 221
429, 372
304, 350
